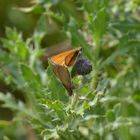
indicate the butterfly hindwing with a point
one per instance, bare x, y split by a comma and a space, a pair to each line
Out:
64, 76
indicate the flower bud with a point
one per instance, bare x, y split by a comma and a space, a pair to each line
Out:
83, 66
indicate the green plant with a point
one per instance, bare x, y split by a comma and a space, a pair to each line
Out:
105, 104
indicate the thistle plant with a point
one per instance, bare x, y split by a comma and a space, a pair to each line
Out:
105, 104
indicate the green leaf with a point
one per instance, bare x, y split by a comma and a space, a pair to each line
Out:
12, 34
110, 115
4, 123
30, 77
41, 28
9, 101
5, 138
57, 106
99, 24
15, 44
78, 39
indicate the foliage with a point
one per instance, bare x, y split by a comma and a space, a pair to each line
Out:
105, 104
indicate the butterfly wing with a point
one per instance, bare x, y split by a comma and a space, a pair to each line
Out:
72, 56
66, 58
64, 76
59, 58
61, 62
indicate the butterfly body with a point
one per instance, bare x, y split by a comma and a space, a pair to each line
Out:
61, 62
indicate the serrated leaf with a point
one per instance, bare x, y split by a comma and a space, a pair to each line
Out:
110, 115
30, 77
57, 106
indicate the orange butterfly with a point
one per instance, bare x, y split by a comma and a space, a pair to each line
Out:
61, 62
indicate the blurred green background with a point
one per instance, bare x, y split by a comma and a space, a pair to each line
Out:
109, 33
10, 17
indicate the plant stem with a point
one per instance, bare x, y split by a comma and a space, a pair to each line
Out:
95, 79
74, 100
73, 103
95, 66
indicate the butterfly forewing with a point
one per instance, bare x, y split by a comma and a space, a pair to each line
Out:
66, 58
71, 58
59, 58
